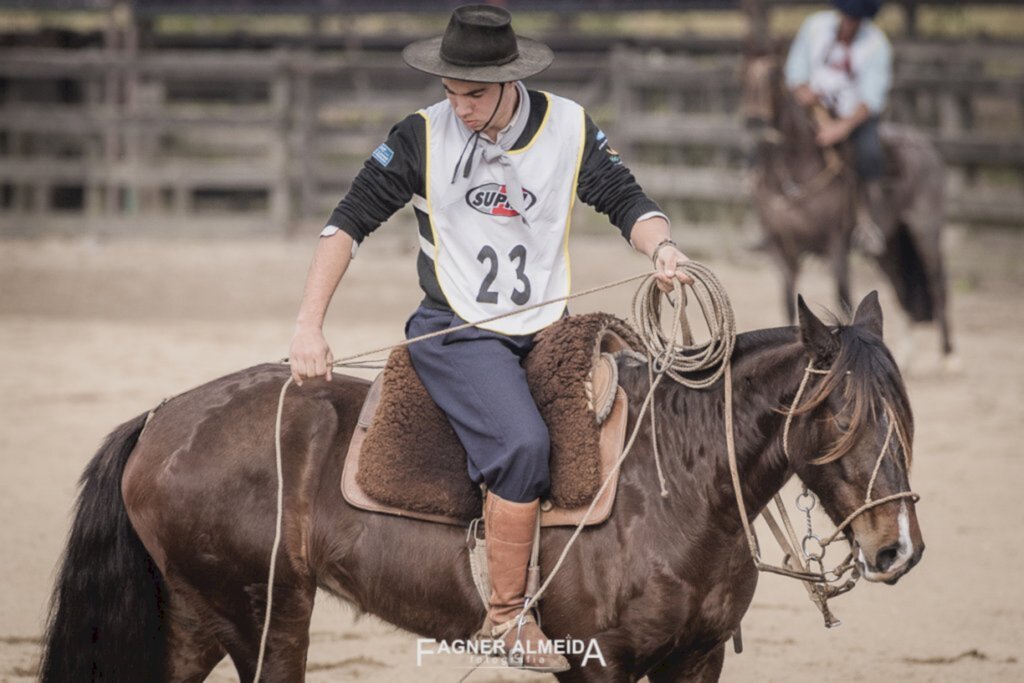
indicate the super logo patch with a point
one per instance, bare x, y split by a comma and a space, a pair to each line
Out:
384, 154
492, 200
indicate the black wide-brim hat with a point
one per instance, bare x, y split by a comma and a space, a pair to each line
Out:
479, 45
860, 9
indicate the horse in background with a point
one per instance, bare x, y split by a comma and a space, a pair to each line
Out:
806, 200
165, 571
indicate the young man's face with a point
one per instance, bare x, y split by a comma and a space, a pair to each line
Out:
847, 27
474, 102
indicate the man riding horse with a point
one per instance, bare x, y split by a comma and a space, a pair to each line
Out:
842, 61
492, 172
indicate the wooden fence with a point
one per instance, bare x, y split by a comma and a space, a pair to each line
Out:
218, 142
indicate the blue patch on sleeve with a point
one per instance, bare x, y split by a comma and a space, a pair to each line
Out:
384, 154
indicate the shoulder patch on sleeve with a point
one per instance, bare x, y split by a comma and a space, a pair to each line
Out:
602, 143
383, 154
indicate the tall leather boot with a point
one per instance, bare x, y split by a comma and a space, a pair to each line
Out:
510, 531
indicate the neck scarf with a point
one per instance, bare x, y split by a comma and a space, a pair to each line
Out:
493, 153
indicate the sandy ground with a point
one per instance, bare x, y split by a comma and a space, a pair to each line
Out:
94, 332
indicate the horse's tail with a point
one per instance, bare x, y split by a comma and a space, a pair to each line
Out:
106, 612
904, 264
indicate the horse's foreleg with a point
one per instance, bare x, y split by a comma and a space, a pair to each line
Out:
841, 269
613, 660
937, 284
614, 672
687, 667
789, 264
789, 292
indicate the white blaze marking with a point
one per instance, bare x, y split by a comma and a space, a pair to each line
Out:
904, 554
906, 545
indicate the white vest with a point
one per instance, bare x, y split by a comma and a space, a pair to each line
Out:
487, 260
836, 85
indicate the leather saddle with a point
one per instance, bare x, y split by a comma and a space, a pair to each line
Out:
398, 412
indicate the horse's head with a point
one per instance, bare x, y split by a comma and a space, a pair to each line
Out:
770, 111
850, 440
761, 77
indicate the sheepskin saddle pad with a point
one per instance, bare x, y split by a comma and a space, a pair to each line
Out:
405, 459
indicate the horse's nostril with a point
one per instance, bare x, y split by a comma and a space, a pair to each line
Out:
886, 557
917, 556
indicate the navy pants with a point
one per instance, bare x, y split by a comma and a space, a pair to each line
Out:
867, 148
475, 376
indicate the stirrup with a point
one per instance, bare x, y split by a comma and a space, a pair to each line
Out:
499, 631
516, 657
520, 655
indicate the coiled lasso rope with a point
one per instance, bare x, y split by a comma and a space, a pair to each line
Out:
696, 366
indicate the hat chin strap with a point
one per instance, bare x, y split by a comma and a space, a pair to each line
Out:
475, 138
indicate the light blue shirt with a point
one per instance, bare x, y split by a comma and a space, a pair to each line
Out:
815, 54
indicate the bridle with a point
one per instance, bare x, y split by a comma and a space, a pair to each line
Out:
714, 358
821, 584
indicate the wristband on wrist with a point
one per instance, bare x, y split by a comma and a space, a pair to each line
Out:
654, 254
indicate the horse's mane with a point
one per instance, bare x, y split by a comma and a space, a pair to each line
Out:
862, 368
871, 383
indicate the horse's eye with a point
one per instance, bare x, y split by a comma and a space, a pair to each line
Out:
842, 422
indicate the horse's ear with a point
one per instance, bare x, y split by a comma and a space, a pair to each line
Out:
869, 314
814, 334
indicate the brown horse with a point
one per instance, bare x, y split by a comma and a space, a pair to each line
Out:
166, 567
806, 200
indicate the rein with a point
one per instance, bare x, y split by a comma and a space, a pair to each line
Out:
791, 189
834, 164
